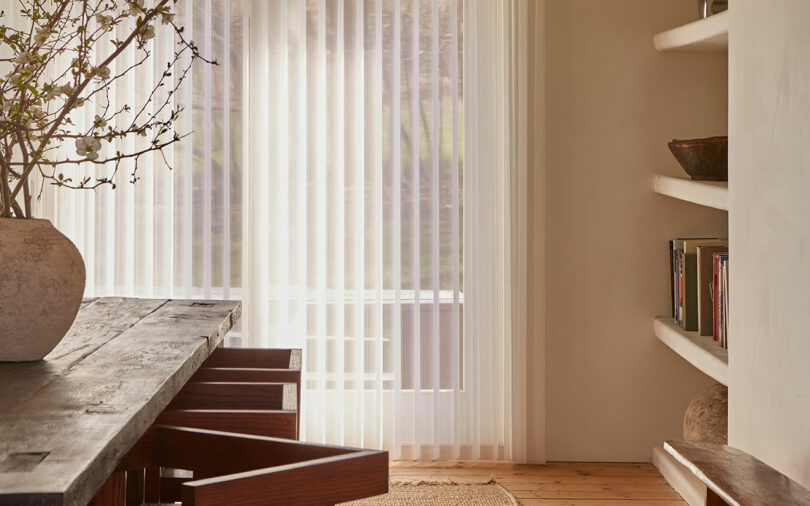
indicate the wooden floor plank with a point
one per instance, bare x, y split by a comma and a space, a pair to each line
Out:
599, 502
557, 483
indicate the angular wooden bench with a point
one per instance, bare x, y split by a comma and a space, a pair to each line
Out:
733, 477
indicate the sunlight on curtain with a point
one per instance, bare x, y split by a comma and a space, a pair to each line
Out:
360, 243
174, 233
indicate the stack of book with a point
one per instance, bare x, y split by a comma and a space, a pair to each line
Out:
699, 273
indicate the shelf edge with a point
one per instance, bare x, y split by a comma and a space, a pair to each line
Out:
709, 34
700, 351
691, 489
705, 193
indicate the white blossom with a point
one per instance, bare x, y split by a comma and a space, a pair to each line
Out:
148, 32
24, 58
136, 7
104, 20
87, 147
36, 112
66, 89
166, 17
102, 72
41, 36
99, 121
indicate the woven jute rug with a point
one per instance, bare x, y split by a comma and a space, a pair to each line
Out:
425, 493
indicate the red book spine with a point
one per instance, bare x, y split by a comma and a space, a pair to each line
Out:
680, 290
715, 298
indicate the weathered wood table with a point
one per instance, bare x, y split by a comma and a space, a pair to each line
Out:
66, 421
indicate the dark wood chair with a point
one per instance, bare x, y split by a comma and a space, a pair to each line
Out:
241, 469
228, 438
250, 391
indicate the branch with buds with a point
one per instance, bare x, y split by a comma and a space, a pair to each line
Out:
68, 59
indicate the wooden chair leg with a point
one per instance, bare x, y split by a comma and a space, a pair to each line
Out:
135, 483
152, 485
113, 492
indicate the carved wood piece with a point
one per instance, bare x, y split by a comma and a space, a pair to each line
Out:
736, 477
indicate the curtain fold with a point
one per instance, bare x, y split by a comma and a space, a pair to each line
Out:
387, 210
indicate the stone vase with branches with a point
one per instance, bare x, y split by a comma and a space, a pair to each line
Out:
59, 64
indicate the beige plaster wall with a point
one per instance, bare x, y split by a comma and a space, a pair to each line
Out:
769, 187
612, 102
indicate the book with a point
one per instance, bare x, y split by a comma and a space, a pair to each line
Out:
716, 297
705, 283
676, 270
672, 278
725, 299
720, 298
689, 316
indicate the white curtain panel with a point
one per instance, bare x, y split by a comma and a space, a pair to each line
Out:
383, 200
174, 233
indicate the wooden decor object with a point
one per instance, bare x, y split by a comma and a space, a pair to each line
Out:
706, 417
735, 478
703, 159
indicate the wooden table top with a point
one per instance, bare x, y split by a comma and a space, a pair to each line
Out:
67, 420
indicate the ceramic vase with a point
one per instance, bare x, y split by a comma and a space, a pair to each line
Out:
41, 286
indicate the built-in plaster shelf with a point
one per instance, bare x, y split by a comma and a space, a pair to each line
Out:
700, 351
710, 34
706, 193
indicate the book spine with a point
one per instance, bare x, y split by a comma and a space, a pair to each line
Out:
672, 278
725, 302
690, 305
722, 304
715, 298
680, 288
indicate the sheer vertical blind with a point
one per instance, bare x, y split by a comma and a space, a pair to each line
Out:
355, 213
380, 220
355, 174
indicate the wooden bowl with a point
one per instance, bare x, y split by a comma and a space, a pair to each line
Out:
703, 159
